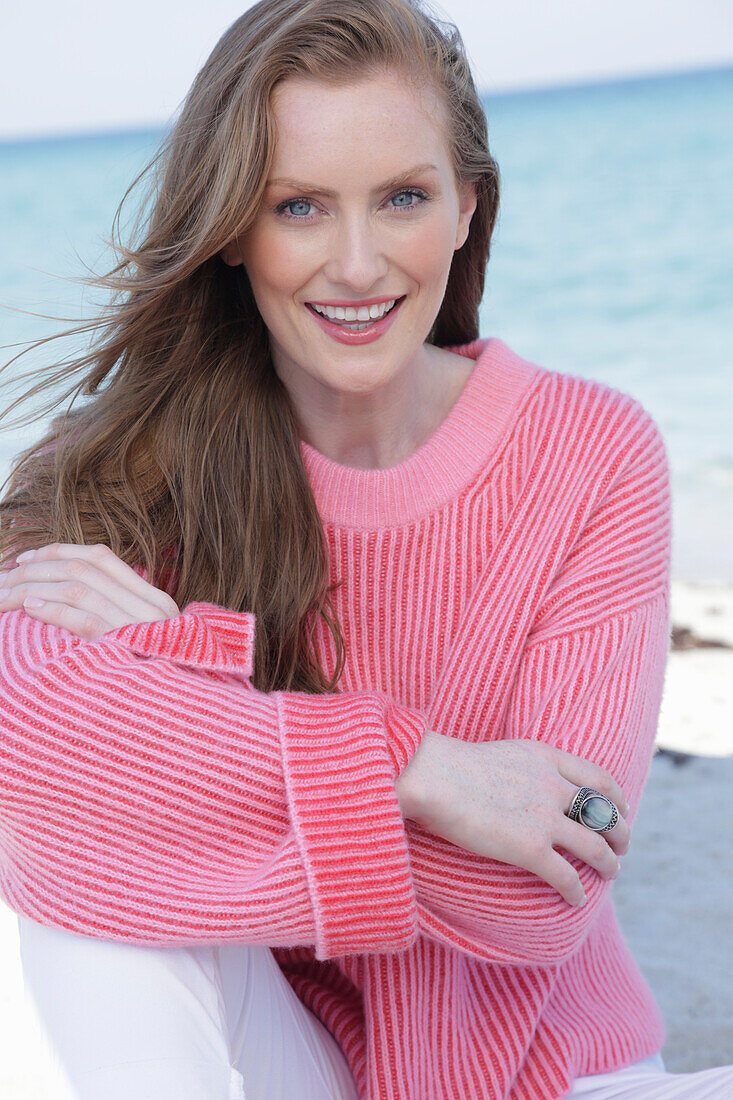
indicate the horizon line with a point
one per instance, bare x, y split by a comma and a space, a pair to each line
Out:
506, 92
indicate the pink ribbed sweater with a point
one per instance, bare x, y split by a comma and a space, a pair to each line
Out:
509, 579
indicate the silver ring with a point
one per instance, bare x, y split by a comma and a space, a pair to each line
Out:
593, 809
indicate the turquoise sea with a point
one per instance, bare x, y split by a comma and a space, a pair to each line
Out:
612, 259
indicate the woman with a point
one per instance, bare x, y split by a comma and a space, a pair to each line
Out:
267, 843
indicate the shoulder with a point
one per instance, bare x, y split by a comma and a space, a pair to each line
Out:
567, 432
599, 467
583, 421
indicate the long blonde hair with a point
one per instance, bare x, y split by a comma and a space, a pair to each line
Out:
187, 460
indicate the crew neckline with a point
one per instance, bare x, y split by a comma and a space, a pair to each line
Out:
447, 462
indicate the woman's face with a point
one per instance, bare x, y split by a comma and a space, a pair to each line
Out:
361, 209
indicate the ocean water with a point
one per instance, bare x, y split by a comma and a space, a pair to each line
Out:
612, 259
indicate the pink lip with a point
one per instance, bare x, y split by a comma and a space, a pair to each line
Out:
356, 304
366, 335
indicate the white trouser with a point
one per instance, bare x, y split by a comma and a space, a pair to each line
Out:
223, 1023
192, 1023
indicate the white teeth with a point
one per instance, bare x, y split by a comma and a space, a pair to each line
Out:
353, 313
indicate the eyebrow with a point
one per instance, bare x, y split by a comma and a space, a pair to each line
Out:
313, 189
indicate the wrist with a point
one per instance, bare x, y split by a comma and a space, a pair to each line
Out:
411, 785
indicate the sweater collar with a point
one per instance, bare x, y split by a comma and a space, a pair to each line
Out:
444, 465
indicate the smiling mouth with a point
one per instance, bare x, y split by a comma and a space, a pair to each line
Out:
346, 317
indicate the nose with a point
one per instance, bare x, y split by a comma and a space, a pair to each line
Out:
355, 254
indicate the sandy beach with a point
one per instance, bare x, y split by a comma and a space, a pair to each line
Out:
674, 895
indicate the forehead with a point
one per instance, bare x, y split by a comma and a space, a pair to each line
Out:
366, 122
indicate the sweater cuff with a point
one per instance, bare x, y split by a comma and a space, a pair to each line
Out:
339, 777
204, 636
406, 730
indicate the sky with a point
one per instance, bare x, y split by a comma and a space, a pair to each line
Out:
83, 66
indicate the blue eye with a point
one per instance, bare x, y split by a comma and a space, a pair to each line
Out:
298, 204
407, 194
301, 209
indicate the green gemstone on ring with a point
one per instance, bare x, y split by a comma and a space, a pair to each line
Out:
596, 813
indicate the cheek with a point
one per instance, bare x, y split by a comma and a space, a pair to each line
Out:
275, 264
428, 252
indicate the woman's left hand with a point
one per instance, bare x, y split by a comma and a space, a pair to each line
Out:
87, 590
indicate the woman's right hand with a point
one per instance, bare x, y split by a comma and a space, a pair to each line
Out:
508, 799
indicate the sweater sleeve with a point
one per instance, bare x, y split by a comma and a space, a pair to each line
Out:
149, 793
589, 681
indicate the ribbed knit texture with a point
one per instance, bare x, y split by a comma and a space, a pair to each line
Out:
508, 580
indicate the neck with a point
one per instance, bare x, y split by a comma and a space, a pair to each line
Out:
381, 428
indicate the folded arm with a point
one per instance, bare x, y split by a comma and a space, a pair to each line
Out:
148, 792
594, 693
589, 681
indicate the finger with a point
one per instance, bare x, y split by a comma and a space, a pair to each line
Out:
619, 837
98, 594
109, 578
81, 623
76, 596
114, 604
585, 773
562, 876
588, 845
101, 557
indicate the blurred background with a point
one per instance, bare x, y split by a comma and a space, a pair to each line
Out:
612, 258
613, 253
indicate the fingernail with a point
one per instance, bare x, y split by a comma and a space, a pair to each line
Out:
26, 555
583, 900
